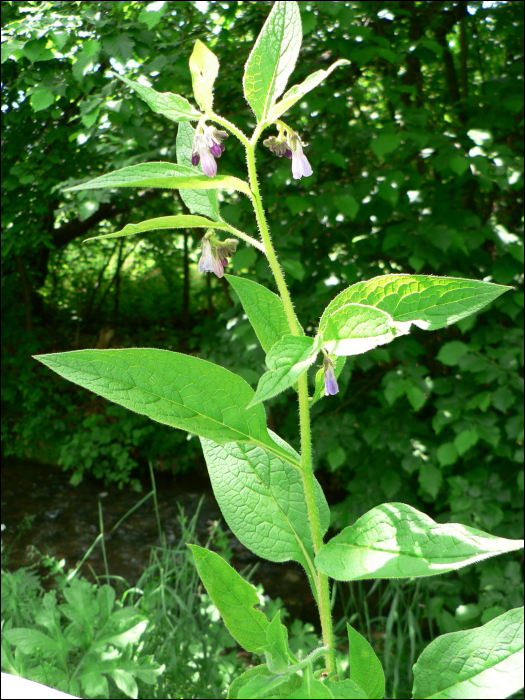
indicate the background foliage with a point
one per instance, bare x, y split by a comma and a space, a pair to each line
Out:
417, 168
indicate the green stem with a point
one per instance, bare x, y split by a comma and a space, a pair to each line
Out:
304, 412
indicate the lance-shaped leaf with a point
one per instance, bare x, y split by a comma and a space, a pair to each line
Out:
278, 654
204, 68
295, 93
175, 107
365, 667
288, 359
352, 329
486, 662
264, 309
428, 302
395, 540
164, 222
161, 174
273, 57
171, 388
262, 499
235, 599
200, 201
339, 363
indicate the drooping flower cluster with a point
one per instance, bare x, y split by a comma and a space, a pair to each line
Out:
207, 145
330, 382
215, 253
287, 143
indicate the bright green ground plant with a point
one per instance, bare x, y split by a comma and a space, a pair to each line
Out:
267, 492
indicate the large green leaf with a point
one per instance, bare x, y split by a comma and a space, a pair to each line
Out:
204, 68
273, 57
352, 329
365, 667
235, 599
486, 662
178, 390
201, 201
161, 174
264, 309
428, 302
395, 540
175, 107
164, 222
261, 497
288, 359
295, 93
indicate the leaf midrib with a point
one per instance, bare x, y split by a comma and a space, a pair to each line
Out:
252, 440
412, 554
285, 516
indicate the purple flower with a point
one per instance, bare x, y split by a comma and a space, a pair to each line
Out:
290, 145
279, 147
207, 146
330, 382
215, 253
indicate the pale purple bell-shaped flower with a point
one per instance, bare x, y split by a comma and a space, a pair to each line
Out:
300, 165
215, 253
291, 147
207, 146
330, 382
207, 260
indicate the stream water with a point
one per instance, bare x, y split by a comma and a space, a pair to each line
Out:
41, 508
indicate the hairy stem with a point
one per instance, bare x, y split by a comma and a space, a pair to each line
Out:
304, 414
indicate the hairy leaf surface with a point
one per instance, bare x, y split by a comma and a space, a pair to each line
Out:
174, 107
161, 174
483, 663
164, 222
262, 499
273, 58
169, 387
395, 540
295, 93
288, 359
264, 309
235, 599
429, 302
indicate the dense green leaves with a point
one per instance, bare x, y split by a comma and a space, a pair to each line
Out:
395, 540
234, 597
288, 359
201, 201
365, 668
174, 107
273, 57
486, 662
179, 390
168, 175
164, 222
428, 302
264, 309
261, 497
204, 68
295, 93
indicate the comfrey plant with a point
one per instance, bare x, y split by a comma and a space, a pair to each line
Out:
267, 492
